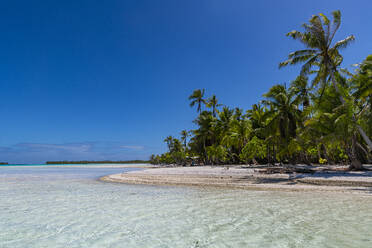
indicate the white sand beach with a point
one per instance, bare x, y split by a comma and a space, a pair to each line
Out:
248, 178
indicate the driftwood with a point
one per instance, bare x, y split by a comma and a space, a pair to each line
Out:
285, 170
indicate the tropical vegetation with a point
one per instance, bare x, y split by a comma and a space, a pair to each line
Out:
324, 116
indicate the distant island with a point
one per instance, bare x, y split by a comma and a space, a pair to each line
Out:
3, 163
99, 162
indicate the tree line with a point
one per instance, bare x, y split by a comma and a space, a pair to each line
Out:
323, 116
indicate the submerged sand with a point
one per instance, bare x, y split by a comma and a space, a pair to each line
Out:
248, 178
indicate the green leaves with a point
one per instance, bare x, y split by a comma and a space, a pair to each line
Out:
325, 19
197, 98
316, 119
318, 36
344, 43
254, 149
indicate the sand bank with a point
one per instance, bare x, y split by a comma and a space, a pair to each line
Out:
247, 178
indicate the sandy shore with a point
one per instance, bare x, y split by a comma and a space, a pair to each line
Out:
247, 178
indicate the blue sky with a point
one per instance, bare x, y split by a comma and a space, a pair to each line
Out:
110, 79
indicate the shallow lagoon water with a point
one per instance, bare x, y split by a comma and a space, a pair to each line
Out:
53, 206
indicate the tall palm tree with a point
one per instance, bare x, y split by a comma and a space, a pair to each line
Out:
213, 103
169, 141
284, 113
225, 118
362, 92
332, 125
205, 134
322, 53
184, 135
258, 117
197, 98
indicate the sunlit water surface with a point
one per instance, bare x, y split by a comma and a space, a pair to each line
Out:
68, 207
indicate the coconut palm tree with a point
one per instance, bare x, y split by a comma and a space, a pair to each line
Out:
361, 84
238, 114
184, 135
322, 54
258, 117
238, 134
205, 135
363, 81
169, 141
284, 114
197, 98
300, 87
213, 103
225, 117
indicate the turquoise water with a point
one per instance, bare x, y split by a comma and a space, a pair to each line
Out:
68, 207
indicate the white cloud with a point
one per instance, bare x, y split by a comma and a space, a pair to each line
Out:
133, 147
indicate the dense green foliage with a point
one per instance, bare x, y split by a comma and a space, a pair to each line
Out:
323, 116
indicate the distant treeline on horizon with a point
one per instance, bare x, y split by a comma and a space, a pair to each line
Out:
98, 162
3, 163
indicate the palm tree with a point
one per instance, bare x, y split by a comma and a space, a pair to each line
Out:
363, 81
184, 135
226, 115
284, 114
238, 134
197, 98
169, 141
332, 125
258, 117
238, 113
322, 54
213, 103
205, 134
299, 87
361, 84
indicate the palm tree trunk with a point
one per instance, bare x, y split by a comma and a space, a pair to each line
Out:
365, 137
319, 154
360, 129
355, 163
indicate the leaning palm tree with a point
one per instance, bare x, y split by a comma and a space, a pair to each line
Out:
362, 92
322, 55
197, 98
213, 103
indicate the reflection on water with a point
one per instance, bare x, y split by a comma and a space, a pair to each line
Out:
68, 207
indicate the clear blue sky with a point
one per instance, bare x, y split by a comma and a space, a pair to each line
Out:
110, 79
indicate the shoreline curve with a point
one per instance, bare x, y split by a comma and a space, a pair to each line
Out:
249, 179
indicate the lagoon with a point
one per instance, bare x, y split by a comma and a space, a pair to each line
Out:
57, 206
